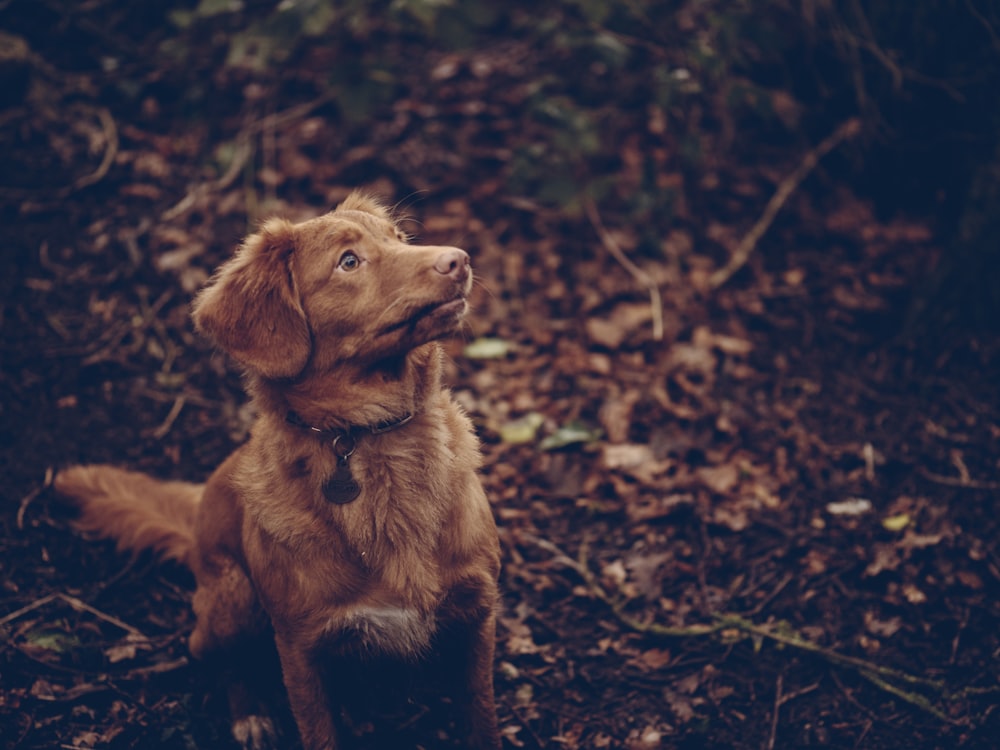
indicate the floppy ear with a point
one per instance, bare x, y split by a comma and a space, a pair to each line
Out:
251, 308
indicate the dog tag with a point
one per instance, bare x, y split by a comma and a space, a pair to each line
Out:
341, 488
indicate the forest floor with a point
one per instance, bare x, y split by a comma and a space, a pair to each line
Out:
769, 524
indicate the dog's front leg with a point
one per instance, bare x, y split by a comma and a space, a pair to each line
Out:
307, 695
476, 700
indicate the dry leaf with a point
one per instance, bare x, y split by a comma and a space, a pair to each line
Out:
611, 331
719, 479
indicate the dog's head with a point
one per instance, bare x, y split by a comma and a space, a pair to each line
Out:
342, 287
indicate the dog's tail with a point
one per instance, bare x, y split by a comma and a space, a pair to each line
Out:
137, 511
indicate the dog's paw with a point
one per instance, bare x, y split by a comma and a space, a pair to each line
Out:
255, 733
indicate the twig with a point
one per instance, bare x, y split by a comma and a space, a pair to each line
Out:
78, 605
110, 152
774, 715
240, 157
244, 149
18, 613
118, 333
641, 276
878, 675
161, 432
157, 668
27, 499
81, 606
617, 606
744, 250
966, 484
977, 14
914, 699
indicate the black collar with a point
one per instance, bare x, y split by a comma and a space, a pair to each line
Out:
352, 431
341, 487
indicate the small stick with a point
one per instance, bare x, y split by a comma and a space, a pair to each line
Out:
878, 675
110, 152
745, 249
778, 700
641, 276
10, 617
966, 484
26, 501
78, 605
161, 432
81, 606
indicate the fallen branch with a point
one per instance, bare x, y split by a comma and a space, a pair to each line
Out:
641, 276
74, 603
111, 145
110, 152
244, 150
744, 250
885, 678
164, 429
962, 483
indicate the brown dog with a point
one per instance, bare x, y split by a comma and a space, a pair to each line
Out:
353, 521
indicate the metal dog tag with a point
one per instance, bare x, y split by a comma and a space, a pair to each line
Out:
341, 488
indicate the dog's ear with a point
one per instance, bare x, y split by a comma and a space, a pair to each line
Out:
251, 307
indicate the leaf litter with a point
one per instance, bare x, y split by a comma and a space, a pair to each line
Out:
691, 503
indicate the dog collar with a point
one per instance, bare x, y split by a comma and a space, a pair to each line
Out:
349, 432
375, 429
341, 488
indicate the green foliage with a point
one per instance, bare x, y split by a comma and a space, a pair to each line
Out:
610, 67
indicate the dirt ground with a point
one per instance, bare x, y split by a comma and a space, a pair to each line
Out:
746, 516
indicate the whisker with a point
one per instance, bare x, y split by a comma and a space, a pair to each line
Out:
476, 282
387, 309
422, 193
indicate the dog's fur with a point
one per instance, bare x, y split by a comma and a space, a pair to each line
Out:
339, 344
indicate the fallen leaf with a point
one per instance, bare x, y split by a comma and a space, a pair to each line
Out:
626, 456
733, 518
719, 479
691, 358
570, 434
882, 628
644, 569
913, 594
86, 740
886, 558
488, 348
852, 506
970, 579
611, 331
615, 574
615, 416
897, 522
652, 659
52, 640
522, 430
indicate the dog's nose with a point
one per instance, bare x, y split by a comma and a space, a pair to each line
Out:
453, 262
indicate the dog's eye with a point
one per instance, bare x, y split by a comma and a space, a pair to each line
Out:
349, 261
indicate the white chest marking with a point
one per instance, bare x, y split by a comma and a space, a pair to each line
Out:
398, 631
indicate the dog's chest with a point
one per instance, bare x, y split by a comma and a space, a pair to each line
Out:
393, 630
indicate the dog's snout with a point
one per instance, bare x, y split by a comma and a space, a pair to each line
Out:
453, 262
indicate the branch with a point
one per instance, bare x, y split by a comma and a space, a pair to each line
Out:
885, 678
744, 250
641, 276
965, 484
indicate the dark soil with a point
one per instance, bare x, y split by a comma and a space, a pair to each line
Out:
774, 527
